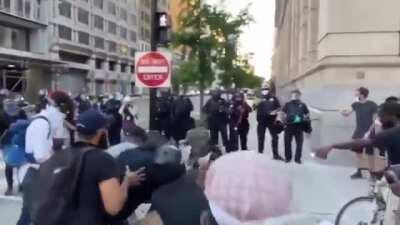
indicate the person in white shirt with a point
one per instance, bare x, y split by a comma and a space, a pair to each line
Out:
44, 135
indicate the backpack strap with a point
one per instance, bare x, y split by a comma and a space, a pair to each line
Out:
47, 120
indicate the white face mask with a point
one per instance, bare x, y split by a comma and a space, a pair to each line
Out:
295, 97
264, 92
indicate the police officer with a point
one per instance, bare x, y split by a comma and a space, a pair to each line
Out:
267, 111
163, 114
182, 120
297, 118
217, 111
239, 122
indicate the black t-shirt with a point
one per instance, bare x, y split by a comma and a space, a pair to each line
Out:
389, 140
181, 202
364, 117
98, 166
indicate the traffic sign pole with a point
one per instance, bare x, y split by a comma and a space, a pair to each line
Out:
153, 43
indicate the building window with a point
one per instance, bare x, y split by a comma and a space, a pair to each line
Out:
147, 34
27, 7
99, 42
133, 52
124, 50
99, 64
123, 32
111, 65
132, 68
142, 33
123, 68
83, 16
98, 22
65, 8
112, 9
83, 38
112, 46
99, 4
65, 32
5, 5
133, 19
123, 14
19, 7
14, 38
133, 36
112, 28
85, 0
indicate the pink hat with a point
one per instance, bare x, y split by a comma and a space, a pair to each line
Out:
248, 187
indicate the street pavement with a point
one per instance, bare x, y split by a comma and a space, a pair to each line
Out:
320, 188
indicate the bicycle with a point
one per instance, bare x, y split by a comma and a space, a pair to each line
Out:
365, 210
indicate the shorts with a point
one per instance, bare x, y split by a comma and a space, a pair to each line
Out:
368, 150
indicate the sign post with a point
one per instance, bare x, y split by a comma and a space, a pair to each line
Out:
153, 69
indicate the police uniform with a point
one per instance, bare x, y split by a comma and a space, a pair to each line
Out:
297, 119
217, 110
265, 119
239, 125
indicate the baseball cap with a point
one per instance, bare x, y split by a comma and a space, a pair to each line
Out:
89, 122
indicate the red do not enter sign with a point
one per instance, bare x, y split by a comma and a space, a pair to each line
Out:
153, 69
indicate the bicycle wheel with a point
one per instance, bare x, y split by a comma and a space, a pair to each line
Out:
359, 211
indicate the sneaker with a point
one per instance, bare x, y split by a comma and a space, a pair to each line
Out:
357, 175
9, 192
278, 157
288, 160
298, 161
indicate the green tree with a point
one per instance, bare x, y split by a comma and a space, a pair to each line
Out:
193, 35
209, 35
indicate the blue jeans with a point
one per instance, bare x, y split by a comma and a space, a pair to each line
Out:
27, 198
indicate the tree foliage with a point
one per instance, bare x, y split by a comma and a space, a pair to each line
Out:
208, 37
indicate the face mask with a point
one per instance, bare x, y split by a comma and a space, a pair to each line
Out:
264, 92
295, 97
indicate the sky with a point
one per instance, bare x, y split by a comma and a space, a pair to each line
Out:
257, 38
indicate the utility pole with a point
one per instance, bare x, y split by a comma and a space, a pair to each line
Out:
153, 43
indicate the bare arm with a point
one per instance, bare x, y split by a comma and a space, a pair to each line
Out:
114, 193
354, 144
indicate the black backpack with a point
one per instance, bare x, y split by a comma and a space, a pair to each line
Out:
55, 189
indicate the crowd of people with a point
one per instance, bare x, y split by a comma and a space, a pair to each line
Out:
85, 160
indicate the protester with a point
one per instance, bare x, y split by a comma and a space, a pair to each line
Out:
116, 121
217, 111
297, 118
128, 112
134, 137
182, 121
246, 188
388, 139
163, 165
99, 192
267, 111
365, 111
42, 102
163, 114
11, 113
83, 103
42, 136
239, 125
